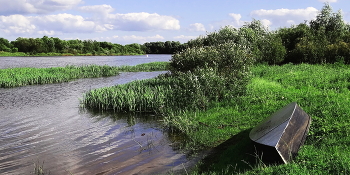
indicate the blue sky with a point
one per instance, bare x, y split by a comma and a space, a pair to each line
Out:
140, 21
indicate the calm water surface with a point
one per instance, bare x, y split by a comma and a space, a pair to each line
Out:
11, 62
44, 125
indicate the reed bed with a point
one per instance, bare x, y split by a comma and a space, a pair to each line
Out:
14, 77
167, 93
141, 95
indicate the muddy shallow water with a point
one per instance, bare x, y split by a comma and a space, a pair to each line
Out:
43, 125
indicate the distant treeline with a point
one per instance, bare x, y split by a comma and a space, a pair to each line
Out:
34, 46
168, 47
75, 47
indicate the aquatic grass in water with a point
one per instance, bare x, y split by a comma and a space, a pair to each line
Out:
146, 67
134, 96
14, 77
164, 94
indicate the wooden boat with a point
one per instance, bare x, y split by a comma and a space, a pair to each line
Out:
279, 137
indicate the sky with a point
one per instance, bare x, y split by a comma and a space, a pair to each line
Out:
140, 21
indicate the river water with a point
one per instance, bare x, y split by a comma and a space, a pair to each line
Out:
44, 125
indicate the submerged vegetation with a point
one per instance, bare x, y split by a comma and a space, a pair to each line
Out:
224, 83
13, 77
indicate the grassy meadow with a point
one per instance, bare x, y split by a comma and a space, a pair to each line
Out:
14, 77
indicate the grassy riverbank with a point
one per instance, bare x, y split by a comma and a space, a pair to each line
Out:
321, 90
14, 77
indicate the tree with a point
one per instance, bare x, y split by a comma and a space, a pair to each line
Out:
22, 44
5, 45
332, 24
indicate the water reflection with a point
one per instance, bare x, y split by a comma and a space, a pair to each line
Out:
147, 147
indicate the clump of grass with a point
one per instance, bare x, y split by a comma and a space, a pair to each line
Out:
146, 67
11, 54
134, 96
14, 77
39, 169
165, 94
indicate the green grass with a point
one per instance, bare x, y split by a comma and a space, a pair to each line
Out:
14, 77
321, 90
10, 54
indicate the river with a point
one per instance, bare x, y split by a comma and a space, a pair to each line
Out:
44, 125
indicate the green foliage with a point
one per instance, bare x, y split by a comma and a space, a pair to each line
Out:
331, 23
168, 47
5, 45
323, 41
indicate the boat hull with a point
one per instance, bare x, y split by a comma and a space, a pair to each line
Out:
279, 137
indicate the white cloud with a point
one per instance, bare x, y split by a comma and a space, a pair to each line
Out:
330, 1
103, 10
10, 7
66, 23
286, 17
237, 22
47, 24
183, 38
14, 18
196, 27
16, 24
47, 33
266, 22
137, 39
142, 22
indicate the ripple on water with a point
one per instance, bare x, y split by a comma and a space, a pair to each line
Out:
43, 125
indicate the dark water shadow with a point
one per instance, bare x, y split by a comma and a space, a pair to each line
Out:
236, 155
